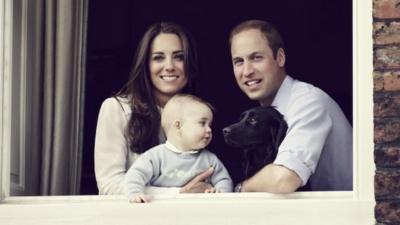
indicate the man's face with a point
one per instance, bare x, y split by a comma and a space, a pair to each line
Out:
258, 73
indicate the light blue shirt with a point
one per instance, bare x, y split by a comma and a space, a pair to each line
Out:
318, 143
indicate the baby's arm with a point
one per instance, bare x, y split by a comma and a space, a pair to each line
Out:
136, 179
220, 179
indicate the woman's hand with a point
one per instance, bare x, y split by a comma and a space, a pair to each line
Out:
198, 184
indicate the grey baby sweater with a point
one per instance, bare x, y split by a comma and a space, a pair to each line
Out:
162, 167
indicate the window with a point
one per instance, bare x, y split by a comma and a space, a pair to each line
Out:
253, 208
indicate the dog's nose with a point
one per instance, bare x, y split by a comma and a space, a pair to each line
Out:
226, 130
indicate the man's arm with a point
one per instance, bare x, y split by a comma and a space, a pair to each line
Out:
274, 179
309, 124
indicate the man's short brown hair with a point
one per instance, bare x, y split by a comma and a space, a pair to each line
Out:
270, 33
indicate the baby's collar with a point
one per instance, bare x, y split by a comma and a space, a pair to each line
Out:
176, 150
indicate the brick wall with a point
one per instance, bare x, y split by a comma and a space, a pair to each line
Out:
386, 34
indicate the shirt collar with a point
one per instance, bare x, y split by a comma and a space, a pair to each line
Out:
283, 95
176, 150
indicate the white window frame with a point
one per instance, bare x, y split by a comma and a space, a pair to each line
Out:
354, 207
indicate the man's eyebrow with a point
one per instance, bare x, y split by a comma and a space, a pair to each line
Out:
247, 56
254, 53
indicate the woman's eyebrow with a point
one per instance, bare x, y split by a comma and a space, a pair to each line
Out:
162, 53
157, 53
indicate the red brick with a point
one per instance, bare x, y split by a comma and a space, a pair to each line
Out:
386, 130
387, 81
386, 33
387, 105
388, 157
378, 81
387, 184
386, 9
387, 58
387, 212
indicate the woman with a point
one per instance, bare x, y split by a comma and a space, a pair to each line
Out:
165, 64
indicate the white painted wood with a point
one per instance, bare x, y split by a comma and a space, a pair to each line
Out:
5, 84
346, 195
364, 166
201, 209
2, 86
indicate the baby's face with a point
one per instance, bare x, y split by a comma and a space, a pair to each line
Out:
196, 126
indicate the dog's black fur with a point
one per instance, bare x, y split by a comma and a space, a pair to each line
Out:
259, 133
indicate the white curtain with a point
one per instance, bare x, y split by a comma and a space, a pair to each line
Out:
55, 33
64, 25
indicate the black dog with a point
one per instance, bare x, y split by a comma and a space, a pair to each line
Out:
259, 133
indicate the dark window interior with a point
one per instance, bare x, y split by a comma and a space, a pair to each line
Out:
317, 34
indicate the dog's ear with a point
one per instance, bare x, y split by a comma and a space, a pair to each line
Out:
278, 132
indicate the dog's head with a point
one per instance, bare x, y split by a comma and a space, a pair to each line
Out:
257, 126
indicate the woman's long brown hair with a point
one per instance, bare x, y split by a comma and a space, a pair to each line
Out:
143, 128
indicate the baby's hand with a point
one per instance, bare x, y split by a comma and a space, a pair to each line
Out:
140, 198
211, 190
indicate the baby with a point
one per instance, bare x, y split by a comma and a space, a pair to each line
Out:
186, 120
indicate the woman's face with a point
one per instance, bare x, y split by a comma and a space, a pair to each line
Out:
167, 66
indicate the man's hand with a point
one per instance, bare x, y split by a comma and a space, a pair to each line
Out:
198, 184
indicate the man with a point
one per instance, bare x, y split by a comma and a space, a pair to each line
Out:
318, 144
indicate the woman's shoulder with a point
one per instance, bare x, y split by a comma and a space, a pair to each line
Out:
117, 103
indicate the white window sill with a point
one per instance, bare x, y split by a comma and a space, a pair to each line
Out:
230, 208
